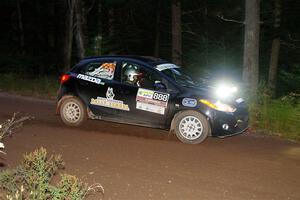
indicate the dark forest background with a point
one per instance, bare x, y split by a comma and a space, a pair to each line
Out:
34, 33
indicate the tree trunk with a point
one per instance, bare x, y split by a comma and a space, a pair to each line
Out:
79, 17
20, 27
67, 52
176, 32
111, 28
39, 30
51, 32
111, 31
157, 34
273, 66
97, 46
275, 49
251, 45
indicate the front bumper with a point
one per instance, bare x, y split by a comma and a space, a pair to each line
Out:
228, 124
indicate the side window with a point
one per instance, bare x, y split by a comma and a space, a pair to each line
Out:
105, 70
133, 74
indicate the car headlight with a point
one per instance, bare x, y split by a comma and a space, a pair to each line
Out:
224, 91
218, 105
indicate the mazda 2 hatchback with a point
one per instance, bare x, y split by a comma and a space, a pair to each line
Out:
149, 92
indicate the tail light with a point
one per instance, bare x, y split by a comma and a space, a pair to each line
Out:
64, 78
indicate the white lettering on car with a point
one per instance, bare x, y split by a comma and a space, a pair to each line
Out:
165, 66
90, 79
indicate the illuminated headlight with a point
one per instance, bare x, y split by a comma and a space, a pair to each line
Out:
218, 105
223, 91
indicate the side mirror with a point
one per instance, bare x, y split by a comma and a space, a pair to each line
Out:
158, 85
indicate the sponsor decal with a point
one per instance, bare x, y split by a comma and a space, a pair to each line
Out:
189, 102
110, 93
90, 79
152, 97
162, 67
109, 101
152, 101
104, 71
145, 93
150, 108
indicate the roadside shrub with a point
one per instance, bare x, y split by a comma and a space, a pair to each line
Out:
33, 179
70, 187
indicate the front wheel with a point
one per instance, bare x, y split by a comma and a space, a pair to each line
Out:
73, 112
191, 127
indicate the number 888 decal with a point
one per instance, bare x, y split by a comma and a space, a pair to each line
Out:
161, 97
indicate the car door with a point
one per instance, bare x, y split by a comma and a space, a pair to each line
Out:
95, 86
148, 105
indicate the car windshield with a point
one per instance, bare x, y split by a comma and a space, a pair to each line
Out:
176, 73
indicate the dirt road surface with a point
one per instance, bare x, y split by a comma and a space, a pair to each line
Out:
143, 163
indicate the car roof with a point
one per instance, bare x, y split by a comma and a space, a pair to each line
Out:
152, 61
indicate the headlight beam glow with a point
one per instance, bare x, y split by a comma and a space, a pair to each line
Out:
224, 91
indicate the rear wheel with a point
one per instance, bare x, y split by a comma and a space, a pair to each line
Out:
73, 112
191, 127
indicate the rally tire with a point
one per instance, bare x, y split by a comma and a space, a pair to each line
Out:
191, 127
73, 112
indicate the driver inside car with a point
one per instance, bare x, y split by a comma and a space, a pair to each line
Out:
134, 76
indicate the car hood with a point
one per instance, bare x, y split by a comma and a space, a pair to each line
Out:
207, 92
203, 91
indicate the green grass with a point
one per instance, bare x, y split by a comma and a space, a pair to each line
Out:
277, 117
44, 87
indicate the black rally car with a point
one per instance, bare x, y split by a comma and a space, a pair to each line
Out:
149, 92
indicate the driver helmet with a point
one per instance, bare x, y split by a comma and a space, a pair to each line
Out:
132, 74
